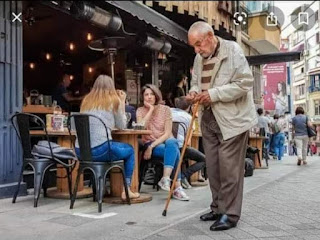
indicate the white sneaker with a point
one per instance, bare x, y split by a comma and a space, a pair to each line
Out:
165, 184
185, 184
179, 194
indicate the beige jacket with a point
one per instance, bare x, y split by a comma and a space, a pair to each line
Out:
230, 89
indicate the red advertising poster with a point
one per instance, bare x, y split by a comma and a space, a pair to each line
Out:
275, 88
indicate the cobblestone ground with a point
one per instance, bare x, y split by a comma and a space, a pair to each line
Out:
287, 208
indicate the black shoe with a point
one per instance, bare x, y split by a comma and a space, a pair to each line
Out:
211, 216
223, 223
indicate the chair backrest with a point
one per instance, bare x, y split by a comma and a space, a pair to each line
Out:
176, 126
21, 123
82, 127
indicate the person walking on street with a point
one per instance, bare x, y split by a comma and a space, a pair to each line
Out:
222, 83
279, 136
300, 134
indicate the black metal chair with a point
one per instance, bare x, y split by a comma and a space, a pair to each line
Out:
99, 169
156, 162
23, 123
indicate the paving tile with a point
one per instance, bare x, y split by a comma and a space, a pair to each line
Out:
268, 228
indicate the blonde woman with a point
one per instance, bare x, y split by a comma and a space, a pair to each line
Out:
160, 143
107, 103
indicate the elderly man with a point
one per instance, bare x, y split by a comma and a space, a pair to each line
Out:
222, 83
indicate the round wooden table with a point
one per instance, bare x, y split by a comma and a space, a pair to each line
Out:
129, 136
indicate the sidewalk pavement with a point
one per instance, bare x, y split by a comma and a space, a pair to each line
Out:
281, 202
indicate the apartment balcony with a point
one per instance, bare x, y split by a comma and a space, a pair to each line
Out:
265, 39
313, 89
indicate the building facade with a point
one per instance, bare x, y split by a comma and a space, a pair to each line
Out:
305, 74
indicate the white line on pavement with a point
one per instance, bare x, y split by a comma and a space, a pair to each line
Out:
95, 216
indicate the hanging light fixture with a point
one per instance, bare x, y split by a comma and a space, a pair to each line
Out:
48, 56
89, 36
96, 15
71, 46
32, 65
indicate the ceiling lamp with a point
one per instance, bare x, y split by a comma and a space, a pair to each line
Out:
96, 15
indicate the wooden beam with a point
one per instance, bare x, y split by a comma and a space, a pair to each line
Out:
210, 12
149, 3
191, 8
169, 7
162, 3
201, 10
181, 7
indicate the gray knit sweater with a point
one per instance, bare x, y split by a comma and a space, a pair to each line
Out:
97, 131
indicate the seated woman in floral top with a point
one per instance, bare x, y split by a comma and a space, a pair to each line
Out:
161, 143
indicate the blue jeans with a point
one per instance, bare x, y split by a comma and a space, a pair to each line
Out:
119, 151
279, 139
170, 152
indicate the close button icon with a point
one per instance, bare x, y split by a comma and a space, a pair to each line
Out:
16, 17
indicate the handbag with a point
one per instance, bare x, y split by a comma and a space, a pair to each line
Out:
310, 130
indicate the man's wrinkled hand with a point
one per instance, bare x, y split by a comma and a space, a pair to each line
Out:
203, 98
191, 97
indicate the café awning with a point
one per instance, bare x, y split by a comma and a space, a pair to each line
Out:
274, 58
152, 17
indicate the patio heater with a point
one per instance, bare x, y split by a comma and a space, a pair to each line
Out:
109, 46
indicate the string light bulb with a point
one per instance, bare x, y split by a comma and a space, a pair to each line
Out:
89, 36
48, 56
32, 65
71, 46
71, 77
90, 69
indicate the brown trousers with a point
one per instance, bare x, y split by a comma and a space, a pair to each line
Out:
225, 166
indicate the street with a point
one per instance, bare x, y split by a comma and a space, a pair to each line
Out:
281, 202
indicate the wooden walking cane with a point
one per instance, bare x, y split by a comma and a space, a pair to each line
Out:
189, 134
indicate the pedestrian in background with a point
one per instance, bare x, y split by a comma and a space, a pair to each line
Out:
279, 136
300, 134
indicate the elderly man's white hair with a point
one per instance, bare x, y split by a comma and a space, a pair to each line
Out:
200, 27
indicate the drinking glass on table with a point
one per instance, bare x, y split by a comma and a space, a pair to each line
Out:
128, 116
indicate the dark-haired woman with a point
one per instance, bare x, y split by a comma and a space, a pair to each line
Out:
161, 143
